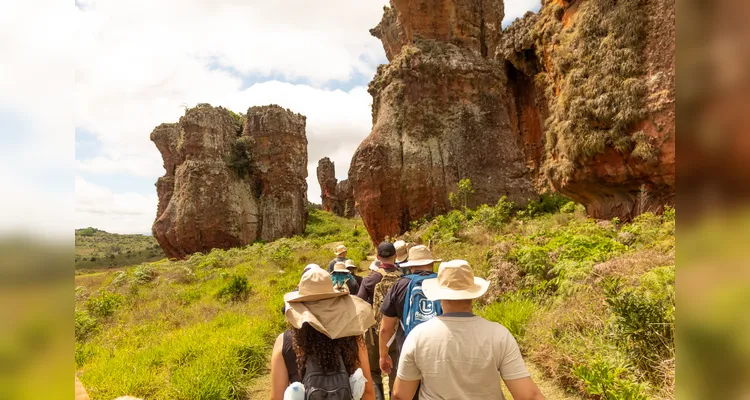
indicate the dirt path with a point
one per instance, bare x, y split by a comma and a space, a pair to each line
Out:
261, 387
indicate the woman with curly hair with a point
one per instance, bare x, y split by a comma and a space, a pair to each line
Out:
325, 336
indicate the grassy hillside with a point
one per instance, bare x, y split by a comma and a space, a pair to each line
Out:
99, 249
201, 328
591, 303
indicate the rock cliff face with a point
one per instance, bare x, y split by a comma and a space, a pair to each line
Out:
578, 98
227, 186
440, 114
336, 197
604, 85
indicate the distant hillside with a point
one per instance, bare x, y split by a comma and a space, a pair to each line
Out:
99, 249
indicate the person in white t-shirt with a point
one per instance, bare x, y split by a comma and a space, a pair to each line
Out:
459, 355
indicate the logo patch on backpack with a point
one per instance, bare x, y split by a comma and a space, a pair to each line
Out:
417, 307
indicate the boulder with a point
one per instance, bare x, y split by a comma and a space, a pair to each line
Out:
223, 184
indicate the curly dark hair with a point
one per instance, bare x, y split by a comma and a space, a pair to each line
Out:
308, 342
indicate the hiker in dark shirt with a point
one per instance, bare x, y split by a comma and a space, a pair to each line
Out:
402, 255
343, 278
387, 257
421, 263
353, 270
340, 257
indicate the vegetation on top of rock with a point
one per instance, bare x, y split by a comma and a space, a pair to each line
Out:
594, 81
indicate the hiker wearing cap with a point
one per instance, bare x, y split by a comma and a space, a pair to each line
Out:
405, 306
459, 355
340, 257
323, 347
402, 255
343, 279
353, 270
373, 290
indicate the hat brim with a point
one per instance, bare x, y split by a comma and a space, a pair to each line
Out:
419, 263
434, 292
402, 258
294, 297
340, 252
335, 318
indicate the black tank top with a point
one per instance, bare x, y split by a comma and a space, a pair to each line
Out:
290, 358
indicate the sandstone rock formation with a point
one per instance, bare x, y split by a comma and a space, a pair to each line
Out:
227, 185
607, 84
336, 197
587, 110
439, 115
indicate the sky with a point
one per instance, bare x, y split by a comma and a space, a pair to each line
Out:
135, 64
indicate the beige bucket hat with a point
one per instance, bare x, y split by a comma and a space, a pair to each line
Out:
350, 264
420, 255
340, 249
340, 267
402, 250
334, 314
455, 281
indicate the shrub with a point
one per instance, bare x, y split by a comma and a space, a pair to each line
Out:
532, 260
547, 204
513, 312
85, 326
143, 274
235, 290
568, 208
608, 381
239, 158
103, 304
494, 217
446, 227
643, 324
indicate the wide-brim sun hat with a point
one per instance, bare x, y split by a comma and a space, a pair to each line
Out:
350, 264
309, 267
334, 314
402, 250
455, 281
420, 255
340, 249
340, 267
315, 284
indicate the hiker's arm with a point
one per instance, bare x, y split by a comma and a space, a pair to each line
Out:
362, 292
409, 374
405, 390
364, 363
279, 373
387, 329
524, 389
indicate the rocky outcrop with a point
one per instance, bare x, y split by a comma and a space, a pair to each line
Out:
439, 115
226, 186
605, 87
336, 196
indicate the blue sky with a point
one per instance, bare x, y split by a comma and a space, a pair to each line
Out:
139, 62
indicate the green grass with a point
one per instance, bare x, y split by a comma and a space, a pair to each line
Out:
590, 302
97, 249
200, 328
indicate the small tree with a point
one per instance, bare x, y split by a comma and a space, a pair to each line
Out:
462, 198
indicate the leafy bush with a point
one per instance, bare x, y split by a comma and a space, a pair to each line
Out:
446, 227
609, 382
494, 217
547, 204
532, 260
85, 326
103, 304
236, 289
464, 191
143, 274
513, 312
568, 207
642, 324
240, 156
320, 224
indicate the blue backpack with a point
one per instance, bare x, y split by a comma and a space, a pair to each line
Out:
417, 307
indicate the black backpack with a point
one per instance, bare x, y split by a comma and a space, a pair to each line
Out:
321, 385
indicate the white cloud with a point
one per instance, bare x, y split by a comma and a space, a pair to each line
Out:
517, 8
99, 207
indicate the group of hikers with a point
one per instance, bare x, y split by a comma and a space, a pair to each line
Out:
403, 320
